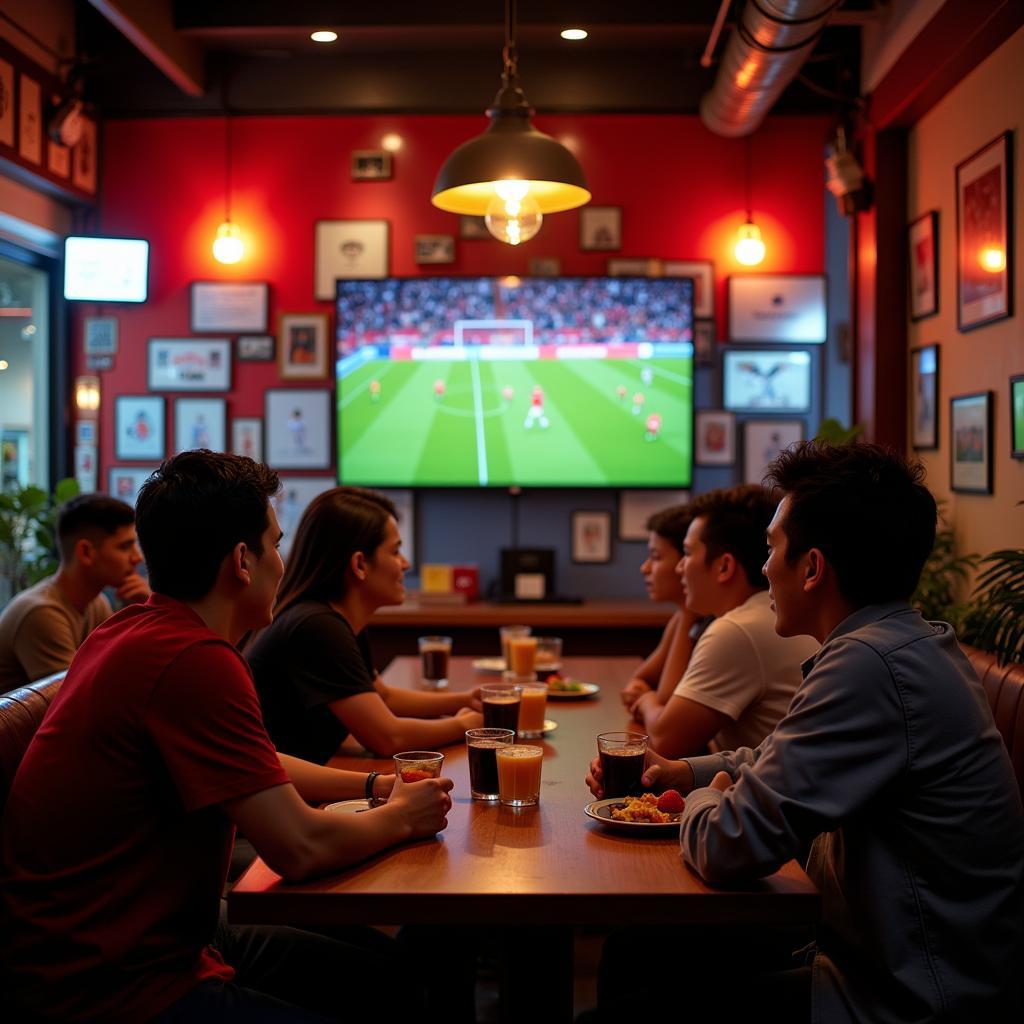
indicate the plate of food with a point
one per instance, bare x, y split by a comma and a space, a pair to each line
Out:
566, 688
639, 815
488, 664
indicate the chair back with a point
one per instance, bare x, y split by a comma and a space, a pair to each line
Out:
21, 711
1004, 687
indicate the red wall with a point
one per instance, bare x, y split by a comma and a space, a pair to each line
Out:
681, 190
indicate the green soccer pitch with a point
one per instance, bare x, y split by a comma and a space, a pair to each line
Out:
473, 435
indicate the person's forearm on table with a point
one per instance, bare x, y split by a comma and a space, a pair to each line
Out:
415, 704
318, 784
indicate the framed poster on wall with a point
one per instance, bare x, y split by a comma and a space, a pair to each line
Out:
762, 442
298, 428
775, 381
233, 307
200, 423
924, 396
139, 427
970, 443
923, 265
352, 249
188, 364
787, 308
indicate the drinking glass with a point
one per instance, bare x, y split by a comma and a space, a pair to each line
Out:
522, 654
501, 705
549, 655
533, 702
622, 762
435, 651
416, 765
482, 748
507, 633
519, 770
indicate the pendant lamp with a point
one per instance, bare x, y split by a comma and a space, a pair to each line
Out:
228, 246
512, 174
749, 245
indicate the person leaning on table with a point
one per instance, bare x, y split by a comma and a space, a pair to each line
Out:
889, 760
118, 827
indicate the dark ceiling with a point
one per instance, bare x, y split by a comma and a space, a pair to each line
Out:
444, 56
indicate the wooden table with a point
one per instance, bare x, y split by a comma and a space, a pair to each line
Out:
548, 865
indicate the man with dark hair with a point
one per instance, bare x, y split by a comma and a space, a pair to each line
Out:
43, 626
118, 828
741, 675
888, 760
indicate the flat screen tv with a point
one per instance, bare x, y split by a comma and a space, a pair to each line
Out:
530, 382
106, 269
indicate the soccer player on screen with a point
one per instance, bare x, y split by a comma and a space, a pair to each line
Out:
638, 403
653, 427
535, 414
439, 389
622, 391
374, 390
647, 375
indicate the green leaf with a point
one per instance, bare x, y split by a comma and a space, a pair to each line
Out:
65, 490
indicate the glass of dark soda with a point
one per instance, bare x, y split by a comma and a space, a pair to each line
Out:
622, 762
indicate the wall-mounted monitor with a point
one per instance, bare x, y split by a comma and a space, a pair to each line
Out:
106, 269
531, 382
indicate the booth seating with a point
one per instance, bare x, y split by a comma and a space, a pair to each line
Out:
1004, 687
21, 711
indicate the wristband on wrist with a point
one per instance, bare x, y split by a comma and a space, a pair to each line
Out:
369, 786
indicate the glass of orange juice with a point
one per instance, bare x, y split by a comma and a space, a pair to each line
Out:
533, 701
522, 655
507, 633
519, 768
416, 765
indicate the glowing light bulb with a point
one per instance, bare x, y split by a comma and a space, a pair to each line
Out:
749, 247
324, 35
573, 34
4, 364
993, 259
392, 142
87, 393
227, 246
513, 215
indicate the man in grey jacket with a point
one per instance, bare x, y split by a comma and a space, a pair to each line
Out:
888, 759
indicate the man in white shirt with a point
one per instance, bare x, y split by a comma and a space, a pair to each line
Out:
742, 675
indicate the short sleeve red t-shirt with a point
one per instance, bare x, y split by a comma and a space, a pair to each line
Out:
115, 849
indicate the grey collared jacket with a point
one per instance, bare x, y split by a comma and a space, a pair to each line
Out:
889, 760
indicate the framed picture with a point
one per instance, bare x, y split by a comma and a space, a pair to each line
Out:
970, 447
923, 265
600, 228
188, 364
85, 432
353, 249
298, 428
703, 274
924, 398
984, 256
434, 249
14, 448
762, 442
766, 381
302, 346
30, 121
200, 423
247, 437
545, 266
704, 342
636, 507
291, 501
125, 482
626, 267
139, 427
371, 165
7, 107
714, 438
1017, 417
787, 308
591, 537
100, 335
231, 306
255, 348
473, 229
86, 459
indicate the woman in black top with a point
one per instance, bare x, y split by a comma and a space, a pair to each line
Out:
312, 665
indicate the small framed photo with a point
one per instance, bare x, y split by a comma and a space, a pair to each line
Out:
188, 364
545, 266
923, 264
600, 228
291, 501
434, 249
125, 482
298, 424
371, 165
970, 448
786, 308
1017, 417
472, 228
703, 274
247, 437
591, 537
984, 256
302, 346
100, 334
715, 438
777, 381
255, 348
139, 423
349, 249
924, 397
636, 507
620, 266
200, 423
228, 306
704, 342
85, 432
762, 442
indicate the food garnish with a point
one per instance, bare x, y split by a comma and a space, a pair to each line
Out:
671, 802
564, 685
644, 808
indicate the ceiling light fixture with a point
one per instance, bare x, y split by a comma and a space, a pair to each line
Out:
392, 142
227, 246
749, 246
573, 34
512, 174
324, 35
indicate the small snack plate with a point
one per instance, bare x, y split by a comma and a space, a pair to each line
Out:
601, 811
549, 726
488, 664
585, 690
348, 806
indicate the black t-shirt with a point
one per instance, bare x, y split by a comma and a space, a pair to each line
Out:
307, 658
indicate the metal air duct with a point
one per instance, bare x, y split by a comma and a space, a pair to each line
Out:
770, 44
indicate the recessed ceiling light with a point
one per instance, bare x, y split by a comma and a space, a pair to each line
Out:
324, 36
574, 33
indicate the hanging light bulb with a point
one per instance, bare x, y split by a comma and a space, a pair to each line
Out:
749, 247
511, 150
228, 246
513, 215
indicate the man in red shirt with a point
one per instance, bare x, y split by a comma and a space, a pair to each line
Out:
119, 825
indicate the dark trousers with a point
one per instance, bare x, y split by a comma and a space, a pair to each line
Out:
285, 974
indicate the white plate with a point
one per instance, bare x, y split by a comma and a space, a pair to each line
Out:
348, 806
498, 665
601, 811
588, 690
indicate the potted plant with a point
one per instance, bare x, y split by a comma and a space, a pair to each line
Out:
943, 576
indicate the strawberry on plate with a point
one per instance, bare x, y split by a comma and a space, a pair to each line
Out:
671, 802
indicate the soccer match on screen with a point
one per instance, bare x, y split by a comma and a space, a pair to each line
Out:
476, 382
